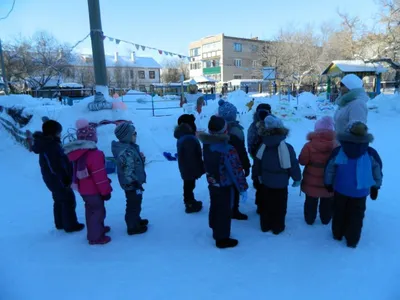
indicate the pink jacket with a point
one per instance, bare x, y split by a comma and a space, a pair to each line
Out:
96, 181
314, 156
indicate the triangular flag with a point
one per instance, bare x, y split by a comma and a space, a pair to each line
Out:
111, 39
137, 46
171, 54
180, 56
117, 41
160, 51
166, 53
143, 48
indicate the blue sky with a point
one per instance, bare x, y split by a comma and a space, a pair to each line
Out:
172, 24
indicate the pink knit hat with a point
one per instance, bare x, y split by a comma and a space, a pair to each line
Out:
325, 124
85, 131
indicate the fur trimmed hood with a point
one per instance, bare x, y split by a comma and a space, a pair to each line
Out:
351, 138
263, 131
323, 140
321, 135
351, 96
207, 138
79, 145
183, 129
41, 142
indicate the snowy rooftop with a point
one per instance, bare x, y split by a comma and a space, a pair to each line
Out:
353, 66
121, 61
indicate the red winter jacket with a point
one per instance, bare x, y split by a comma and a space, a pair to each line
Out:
97, 181
314, 156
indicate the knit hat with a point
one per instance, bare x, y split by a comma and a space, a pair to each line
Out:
217, 125
358, 128
352, 82
124, 132
51, 128
263, 110
188, 119
227, 110
272, 122
325, 124
86, 131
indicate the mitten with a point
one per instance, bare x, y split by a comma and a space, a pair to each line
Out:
243, 196
246, 172
106, 197
329, 188
296, 183
374, 193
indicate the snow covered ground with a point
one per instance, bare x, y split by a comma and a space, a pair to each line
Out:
177, 258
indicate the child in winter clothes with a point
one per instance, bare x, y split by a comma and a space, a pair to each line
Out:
224, 175
190, 160
57, 175
275, 163
254, 141
314, 156
354, 171
131, 175
90, 180
228, 112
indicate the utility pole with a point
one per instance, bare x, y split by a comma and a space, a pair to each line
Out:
3, 69
99, 61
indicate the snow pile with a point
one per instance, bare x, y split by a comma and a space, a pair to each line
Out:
385, 104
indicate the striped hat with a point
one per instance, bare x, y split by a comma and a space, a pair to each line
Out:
124, 132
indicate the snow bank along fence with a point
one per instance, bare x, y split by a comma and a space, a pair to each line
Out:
24, 137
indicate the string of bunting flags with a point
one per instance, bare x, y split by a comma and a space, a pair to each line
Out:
143, 47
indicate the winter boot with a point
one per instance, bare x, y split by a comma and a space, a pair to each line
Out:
237, 215
76, 228
226, 243
140, 230
144, 222
338, 238
104, 240
193, 207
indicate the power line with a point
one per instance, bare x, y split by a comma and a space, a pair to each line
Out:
12, 8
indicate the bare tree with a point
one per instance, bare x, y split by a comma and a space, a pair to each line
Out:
37, 59
172, 70
294, 54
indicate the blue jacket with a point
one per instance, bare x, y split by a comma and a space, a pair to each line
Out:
343, 176
190, 156
222, 163
267, 167
54, 164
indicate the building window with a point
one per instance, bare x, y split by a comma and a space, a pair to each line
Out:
152, 74
131, 74
237, 47
253, 77
211, 63
195, 52
255, 64
142, 75
237, 76
142, 88
254, 48
237, 62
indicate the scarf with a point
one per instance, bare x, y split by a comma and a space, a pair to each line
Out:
80, 171
364, 169
283, 153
